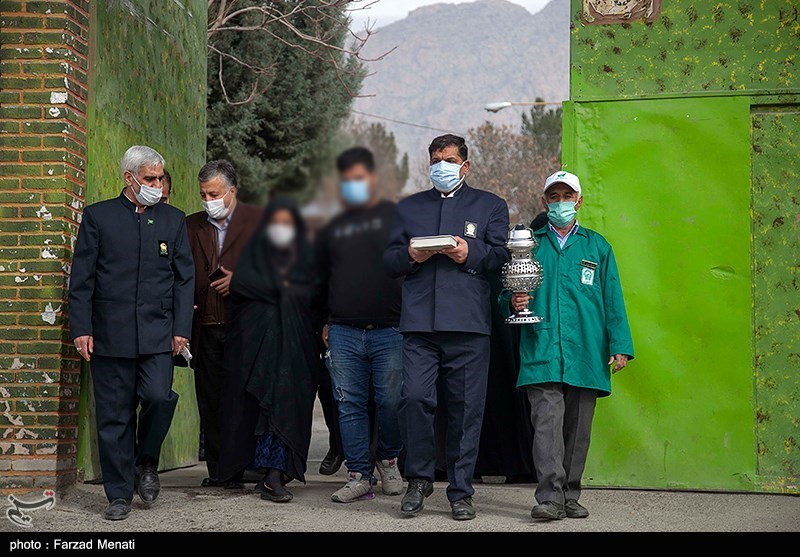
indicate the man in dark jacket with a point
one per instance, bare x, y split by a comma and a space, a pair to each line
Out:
217, 236
446, 320
130, 309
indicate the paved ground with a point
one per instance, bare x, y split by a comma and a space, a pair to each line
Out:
185, 507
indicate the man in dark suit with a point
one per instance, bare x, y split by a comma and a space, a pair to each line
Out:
166, 190
446, 320
217, 236
130, 309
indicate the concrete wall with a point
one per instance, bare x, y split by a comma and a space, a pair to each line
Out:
684, 131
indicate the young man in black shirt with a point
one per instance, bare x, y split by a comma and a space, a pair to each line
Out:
365, 346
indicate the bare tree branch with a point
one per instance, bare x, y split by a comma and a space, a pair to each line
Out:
320, 36
248, 100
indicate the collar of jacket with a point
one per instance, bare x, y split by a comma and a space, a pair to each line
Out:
581, 231
436, 193
545, 231
127, 202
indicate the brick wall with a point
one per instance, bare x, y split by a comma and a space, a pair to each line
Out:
43, 95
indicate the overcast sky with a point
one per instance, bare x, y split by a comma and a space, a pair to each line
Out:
387, 11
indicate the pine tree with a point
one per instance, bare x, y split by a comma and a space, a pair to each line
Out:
280, 142
543, 126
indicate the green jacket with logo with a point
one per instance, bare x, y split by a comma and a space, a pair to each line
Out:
585, 322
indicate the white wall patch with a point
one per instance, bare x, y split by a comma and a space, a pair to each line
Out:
24, 433
58, 97
49, 314
44, 214
13, 420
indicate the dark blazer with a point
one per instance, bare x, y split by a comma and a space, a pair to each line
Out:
132, 278
440, 295
244, 224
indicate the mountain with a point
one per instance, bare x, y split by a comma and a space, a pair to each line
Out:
451, 60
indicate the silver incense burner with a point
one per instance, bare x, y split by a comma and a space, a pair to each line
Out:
523, 274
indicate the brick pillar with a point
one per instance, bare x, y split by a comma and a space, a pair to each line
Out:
43, 95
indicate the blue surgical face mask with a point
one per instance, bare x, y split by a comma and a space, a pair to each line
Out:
561, 213
354, 192
446, 176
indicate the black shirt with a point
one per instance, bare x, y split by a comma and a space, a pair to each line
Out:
350, 257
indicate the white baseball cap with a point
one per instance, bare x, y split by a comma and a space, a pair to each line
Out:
563, 177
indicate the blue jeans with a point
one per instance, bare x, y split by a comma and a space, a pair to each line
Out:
356, 356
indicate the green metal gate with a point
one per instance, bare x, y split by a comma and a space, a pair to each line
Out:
776, 292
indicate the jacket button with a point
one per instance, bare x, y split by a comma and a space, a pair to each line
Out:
206, 266
202, 291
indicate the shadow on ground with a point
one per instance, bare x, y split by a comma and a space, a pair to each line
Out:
184, 506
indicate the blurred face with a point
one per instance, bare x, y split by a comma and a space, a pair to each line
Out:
558, 193
152, 176
282, 217
165, 193
216, 188
282, 229
358, 173
450, 154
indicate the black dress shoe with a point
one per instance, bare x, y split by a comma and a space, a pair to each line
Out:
414, 499
118, 509
549, 510
575, 509
331, 463
463, 509
149, 484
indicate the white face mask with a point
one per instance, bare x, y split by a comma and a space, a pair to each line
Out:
281, 235
216, 208
147, 195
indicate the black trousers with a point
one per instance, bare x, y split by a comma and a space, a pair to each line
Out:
120, 386
462, 361
208, 387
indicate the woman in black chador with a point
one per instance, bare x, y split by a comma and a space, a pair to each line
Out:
272, 355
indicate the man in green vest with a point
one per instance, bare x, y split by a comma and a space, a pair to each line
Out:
566, 360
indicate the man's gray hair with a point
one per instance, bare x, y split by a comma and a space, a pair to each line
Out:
221, 168
138, 156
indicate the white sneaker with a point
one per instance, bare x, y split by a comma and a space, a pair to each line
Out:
391, 480
355, 489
